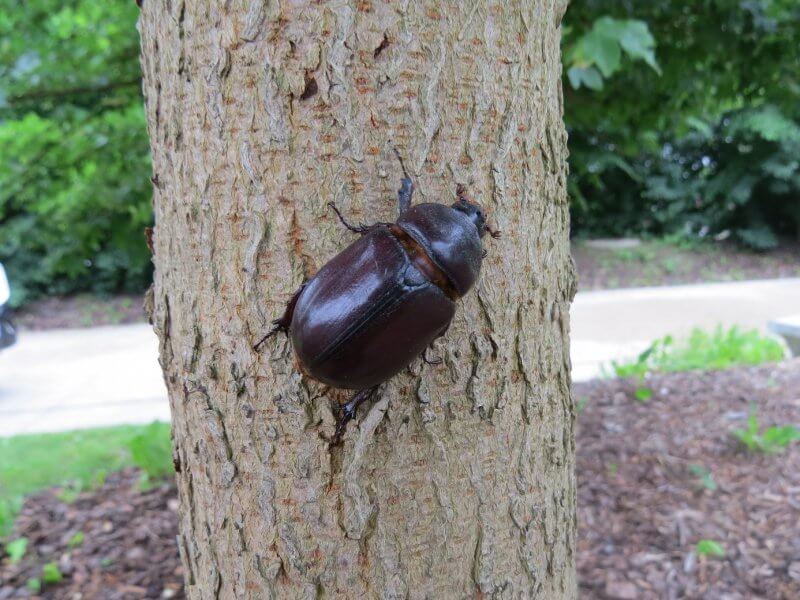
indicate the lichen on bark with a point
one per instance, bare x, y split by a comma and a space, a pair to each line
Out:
458, 481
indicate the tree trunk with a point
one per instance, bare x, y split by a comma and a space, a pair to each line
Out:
458, 481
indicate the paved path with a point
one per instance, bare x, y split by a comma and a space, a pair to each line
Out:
76, 378
68, 379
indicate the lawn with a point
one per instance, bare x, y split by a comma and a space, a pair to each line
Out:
75, 461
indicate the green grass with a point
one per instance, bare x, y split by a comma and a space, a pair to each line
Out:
76, 461
717, 349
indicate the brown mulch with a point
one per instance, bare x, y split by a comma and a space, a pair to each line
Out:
655, 264
641, 509
79, 311
128, 549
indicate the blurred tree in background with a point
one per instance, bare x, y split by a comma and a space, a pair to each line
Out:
684, 118
74, 174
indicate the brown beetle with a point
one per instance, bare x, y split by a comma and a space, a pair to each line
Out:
381, 301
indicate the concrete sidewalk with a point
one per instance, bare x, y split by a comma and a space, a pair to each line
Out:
77, 378
69, 379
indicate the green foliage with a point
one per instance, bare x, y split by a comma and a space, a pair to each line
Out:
51, 574
710, 548
597, 54
74, 182
76, 460
16, 549
704, 145
34, 584
152, 453
719, 349
741, 176
705, 476
76, 540
771, 440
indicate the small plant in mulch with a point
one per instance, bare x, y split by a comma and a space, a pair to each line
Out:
770, 440
16, 549
705, 476
110, 539
710, 548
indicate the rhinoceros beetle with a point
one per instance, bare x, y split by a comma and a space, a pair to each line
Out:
381, 302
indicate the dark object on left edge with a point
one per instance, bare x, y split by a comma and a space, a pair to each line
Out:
384, 299
8, 333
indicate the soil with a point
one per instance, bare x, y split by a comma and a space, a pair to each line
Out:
654, 479
643, 503
81, 311
128, 550
655, 263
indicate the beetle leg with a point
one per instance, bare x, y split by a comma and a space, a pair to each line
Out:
348, 413
406, 191
282, 323
435, 361
362, 229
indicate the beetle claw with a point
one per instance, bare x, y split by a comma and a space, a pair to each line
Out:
435, 361
348, 412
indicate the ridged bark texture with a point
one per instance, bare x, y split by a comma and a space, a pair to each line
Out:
458, 481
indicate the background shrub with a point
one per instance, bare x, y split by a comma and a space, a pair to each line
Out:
74, 179
696, 130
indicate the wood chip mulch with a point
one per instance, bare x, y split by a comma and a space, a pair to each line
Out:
642, 505
128, 548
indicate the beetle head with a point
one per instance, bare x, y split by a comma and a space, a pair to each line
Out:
474, 212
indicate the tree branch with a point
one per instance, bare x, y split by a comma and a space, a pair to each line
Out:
74, 91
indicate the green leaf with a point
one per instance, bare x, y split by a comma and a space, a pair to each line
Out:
34, 584
638, 42
51, 573
643, 394
589, 77
76, 540
710, 548
706, 478
16, 549
602, 51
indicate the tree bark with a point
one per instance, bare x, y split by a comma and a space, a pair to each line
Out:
458, 481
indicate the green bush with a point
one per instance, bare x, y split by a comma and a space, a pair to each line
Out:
74, 179
697, 133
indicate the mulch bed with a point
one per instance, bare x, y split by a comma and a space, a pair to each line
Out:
641, 508
655, 264
81, 311
128, 549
